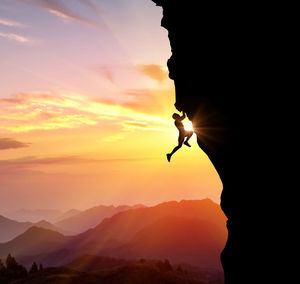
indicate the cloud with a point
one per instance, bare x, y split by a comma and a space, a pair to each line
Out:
9, 143
31, 160
112, 72
140, 124
25, 97
26, 112
39, 165
59, 9
14, 37
138, 93
146, 100
142, 100
37, 161
9, 23
154, 71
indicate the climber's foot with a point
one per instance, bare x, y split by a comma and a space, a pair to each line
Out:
187, 144
169, 157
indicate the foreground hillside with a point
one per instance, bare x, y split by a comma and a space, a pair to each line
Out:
158, 272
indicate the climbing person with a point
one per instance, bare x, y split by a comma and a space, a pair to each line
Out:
184, 135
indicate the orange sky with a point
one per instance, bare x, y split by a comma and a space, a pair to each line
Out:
85, 109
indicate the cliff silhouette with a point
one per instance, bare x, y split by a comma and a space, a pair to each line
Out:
227, 65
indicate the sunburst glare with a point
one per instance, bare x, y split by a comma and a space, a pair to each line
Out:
188, 126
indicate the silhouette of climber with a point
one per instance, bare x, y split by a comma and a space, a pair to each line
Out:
182, 134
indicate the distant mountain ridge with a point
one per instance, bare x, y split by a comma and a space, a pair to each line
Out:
71, 222
34, 215
70, 213
92, 217
9, 229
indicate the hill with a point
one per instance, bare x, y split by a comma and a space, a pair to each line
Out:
11, 228
94, 264
134, 273
188, 240
34, 241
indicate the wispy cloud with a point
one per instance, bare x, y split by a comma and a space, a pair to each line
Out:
14, 37
139, 124
38, 165
36, 161
32, 160
59, 9
10, 23
25, 97
142, 100
9, 143
154, 71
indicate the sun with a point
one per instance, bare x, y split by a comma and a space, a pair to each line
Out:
188, 126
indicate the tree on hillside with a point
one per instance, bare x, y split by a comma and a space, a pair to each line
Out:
11, 262
34, 268
167, 265
13, 269
2, 270
41, 267
179, 269
2, 267
164, 266
142, 261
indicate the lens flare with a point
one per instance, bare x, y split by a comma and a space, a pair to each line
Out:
188, 126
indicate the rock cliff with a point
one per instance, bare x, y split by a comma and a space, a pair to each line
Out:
226, 73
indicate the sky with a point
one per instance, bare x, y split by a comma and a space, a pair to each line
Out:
85, 108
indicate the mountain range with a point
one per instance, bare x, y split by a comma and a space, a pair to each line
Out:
71, 222
191, 231
34, 215
9, 229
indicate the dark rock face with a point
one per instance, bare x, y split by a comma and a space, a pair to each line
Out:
226, 70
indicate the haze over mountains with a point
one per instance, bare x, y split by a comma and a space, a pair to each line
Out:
181, 239
34, 215
69, 223
70, 213
191, 231
87, 219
